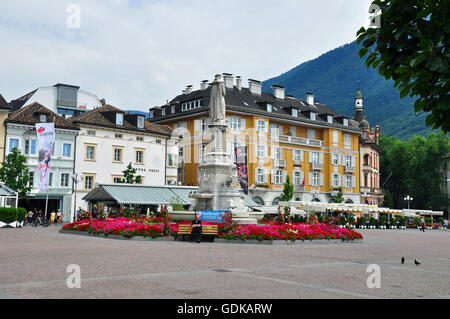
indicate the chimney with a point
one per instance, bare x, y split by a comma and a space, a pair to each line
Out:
188, 89
278, 91
239, 83
309, 98
229, 80
204, 85
254, 86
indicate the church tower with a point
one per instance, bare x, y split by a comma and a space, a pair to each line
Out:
359, 110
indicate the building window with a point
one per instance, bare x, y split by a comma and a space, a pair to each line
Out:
151, 114
315, 179
295, 112
42, 118
90, 153
261, 151
335, 138
117, 155
139, 157
346, 122
140, 122
64, 180
118, 135
278, 176
91, 132
88, 182
117, 180
335, 180
330, 119
297, 180
311, 134
297, 155
66, 151
158, 141
163, 111
315, 158
269, 107
13, 143
50, 179
235, 123
119, 118
348, 181
348, 161
312, 116
260, 172
335, 159
261, 126
203, 124
172, 109
171, 160
31, 179
347, 140
139, 138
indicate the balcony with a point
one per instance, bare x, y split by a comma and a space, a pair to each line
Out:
372, 191
316, 166
279, 163
366, 167
299, 188
349, 170
296, 140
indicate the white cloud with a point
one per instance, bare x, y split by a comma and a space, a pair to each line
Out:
138, 53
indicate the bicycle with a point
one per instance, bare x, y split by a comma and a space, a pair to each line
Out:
40, 221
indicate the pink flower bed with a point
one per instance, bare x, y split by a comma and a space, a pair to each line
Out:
137, 227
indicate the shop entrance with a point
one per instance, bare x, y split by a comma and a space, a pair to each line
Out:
39, 205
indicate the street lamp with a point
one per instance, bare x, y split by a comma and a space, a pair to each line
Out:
408, 198
76, 178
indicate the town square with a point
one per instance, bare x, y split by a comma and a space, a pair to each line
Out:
191, 159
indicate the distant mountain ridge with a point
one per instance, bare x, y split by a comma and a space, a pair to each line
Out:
333, 79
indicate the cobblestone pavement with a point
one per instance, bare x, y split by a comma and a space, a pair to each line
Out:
34, 261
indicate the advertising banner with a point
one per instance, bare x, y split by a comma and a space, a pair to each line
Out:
46, 139
212, 216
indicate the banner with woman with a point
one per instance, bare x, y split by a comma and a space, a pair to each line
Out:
46, 139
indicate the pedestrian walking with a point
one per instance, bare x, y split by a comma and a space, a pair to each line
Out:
422, 223
30, 216
446, 224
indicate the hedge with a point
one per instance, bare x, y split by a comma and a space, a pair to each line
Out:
12, 214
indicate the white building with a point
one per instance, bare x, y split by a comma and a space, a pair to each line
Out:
110, 139
64, 99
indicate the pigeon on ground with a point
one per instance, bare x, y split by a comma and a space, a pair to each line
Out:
416, 262
403, 260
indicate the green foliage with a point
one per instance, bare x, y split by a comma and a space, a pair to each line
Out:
412, 48
383, 220
177, 204
362, 220
414, 168
342, 220
372, 221
340, 196
12, 214
128, 176
288, 191
15, 174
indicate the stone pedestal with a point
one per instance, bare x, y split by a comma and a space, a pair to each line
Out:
218, 179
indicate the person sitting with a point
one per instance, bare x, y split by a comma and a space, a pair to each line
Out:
196, 227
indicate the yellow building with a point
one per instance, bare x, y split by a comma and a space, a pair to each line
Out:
277, 136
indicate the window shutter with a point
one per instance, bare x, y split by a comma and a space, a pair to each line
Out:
272, 152
293, 155
284, 177
266, 177
243, 124
353, 181
340, 159
301, 156
321, 158
353, 161
310, 156
339, 180
266, 151
321, 179
272, 176
310, 179
256, 174
266, 126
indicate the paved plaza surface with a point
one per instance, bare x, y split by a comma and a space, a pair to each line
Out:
34, 261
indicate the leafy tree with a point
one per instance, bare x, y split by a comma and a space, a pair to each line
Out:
412, 47
129, 177
15, 174
340, 196
288, 191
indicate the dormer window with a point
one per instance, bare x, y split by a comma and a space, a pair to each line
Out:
294, 112
330, 119
163, 111
269, 107
172, 109
140, 122
119, 119
345, 122
151, 114
42, 118
312, 116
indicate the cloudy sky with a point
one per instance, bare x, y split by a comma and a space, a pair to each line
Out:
138, 53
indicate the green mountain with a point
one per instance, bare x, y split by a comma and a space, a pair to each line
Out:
333, 79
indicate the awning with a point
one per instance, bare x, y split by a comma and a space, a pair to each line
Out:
342, 207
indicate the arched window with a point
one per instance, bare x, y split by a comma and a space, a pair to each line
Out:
332, 201
275, 201
316, 200
367, 160
349, 201
258, 200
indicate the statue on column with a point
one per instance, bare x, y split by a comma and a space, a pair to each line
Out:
217, 100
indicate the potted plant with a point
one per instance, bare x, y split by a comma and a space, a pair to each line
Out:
417, 221
342, 221
383, 222
351, 221
441, 222
428, 222
362, 222
372, 223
